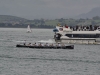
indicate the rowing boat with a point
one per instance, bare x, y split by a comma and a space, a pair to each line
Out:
47, 47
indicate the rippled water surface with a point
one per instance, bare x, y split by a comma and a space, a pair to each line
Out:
83, 60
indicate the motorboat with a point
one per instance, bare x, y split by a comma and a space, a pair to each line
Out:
77, 35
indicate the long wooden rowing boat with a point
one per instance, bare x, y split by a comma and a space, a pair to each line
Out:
47, 47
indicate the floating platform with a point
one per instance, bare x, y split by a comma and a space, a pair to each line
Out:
47, 47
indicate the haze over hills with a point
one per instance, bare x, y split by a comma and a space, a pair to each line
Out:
90, 14
94, 12
47, 9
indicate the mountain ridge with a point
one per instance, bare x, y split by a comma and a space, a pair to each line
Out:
94, 12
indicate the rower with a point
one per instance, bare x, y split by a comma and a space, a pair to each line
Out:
59, 44
29, 44
37, 44
51, 45
62, 44
40, 44
34, 44
55, 45
24, 43
46, 44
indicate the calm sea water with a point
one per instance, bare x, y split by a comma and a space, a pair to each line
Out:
83, 60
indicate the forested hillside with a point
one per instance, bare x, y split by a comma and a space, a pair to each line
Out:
17, 22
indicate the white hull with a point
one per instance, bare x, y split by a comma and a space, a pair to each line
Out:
78, 41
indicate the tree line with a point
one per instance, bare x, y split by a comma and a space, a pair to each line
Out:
45, 23
9, 25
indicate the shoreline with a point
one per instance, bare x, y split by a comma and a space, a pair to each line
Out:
26, 28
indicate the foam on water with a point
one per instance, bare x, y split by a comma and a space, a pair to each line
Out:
47, 41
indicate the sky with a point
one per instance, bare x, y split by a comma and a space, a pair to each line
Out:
47, 9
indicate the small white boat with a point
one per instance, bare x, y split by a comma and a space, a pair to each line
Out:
29, 29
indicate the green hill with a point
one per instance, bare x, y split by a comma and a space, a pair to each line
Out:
13, 21
10, 18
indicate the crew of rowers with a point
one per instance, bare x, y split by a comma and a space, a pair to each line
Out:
46, 44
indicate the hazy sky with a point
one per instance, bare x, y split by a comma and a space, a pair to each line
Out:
47, 9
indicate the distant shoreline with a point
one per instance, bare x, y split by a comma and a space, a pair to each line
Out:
26, 28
